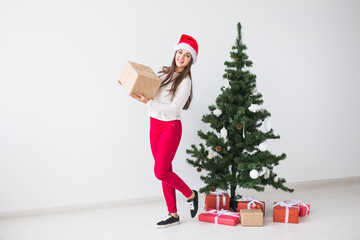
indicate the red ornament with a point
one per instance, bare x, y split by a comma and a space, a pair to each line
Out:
218, 148
238, 127
198, 169
236, 59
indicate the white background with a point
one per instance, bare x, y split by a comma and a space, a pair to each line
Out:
69, 134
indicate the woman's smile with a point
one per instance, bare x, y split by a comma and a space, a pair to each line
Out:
182, 58
181, 62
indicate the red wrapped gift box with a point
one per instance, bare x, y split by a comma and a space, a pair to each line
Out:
304, 209
224, 217
251, 203
286, 211
216, 200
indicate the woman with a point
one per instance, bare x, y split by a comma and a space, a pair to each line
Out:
175, 94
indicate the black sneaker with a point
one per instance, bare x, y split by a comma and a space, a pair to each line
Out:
193, 203
168, 221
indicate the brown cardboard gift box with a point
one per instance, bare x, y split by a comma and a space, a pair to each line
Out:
251, 217
137, 78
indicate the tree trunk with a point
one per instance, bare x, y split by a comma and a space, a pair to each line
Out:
233, 202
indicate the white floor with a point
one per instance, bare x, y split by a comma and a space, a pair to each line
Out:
334, 214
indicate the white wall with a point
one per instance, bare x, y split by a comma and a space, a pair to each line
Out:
69, 134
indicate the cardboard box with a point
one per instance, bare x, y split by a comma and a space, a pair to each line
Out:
251, 217
288, 213
137, 78
224, 217
217, 200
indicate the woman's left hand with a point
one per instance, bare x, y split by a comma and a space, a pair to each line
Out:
140, 98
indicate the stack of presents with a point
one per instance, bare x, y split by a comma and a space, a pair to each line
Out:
250, 212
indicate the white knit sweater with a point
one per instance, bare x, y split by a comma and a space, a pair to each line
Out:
163, 107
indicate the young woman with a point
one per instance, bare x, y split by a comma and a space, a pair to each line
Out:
175, 94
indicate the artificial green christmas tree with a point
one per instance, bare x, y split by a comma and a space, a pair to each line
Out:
236, 154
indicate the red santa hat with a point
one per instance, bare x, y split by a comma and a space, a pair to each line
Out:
188, 43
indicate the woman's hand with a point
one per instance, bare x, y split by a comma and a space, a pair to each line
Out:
140, 98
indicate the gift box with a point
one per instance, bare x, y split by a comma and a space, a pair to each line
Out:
216, 216
304, 209
137, 78
251, 203
286, 211
251, 217
216, 200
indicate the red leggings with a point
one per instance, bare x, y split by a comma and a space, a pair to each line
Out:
164, 139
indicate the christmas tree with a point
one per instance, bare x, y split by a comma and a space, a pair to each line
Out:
236, 153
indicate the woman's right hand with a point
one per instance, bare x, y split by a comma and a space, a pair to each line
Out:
140, 98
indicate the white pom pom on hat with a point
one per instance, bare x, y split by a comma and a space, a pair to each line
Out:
188, 43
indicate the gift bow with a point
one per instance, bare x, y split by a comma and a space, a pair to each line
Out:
218, 199
251, 201
222, 212
287, 205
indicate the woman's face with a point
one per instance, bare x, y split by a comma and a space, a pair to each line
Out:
182, 59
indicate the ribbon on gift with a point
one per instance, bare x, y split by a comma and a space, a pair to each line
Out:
287, 205
222, 212
300, 203
218, 199
252, 201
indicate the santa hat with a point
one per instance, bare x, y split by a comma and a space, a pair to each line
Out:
188, 43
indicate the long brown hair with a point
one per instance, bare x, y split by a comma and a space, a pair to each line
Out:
177, 79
